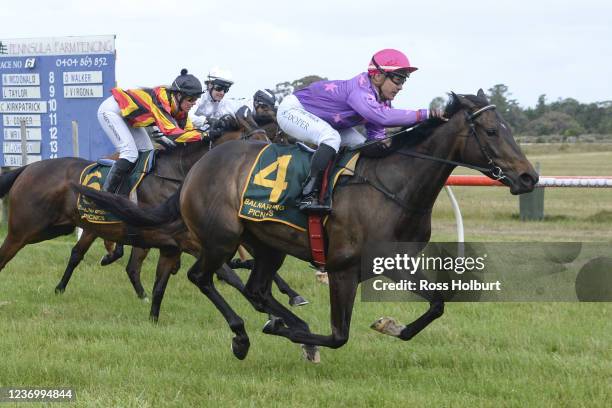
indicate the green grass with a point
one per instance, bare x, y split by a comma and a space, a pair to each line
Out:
97, 338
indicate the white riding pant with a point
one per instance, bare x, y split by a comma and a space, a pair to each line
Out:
296, 121
127, 140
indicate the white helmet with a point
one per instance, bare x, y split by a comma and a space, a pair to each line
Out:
220, 76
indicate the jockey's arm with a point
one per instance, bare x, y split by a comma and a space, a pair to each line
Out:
379, 116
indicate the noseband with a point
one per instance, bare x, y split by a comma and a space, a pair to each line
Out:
494, 170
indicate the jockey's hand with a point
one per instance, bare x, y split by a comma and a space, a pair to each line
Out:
437, 113
166, 141
155, 132
204, 128
386, 143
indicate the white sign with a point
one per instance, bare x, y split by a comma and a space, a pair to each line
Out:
21, 92
15, 120
83, 77
21, 79
99, 44
15, 134
15, 147
14, 160
25, 107
84, 91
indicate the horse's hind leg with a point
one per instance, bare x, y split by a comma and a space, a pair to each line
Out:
9, 249
133, 269
168, 263
388, 325
343, 287
76, 256
201, 275
295, 299
258, 291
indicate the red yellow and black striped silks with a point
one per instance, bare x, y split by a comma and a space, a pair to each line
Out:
145, 107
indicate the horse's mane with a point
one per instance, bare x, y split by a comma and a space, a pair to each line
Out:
416, 136
426, 128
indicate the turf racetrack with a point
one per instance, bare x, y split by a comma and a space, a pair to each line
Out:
96, 338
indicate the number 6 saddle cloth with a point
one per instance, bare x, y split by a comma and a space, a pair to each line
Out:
93, 176
275, 184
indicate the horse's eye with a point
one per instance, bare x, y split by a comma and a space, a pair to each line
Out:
491, 132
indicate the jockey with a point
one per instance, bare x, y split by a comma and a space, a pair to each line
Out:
125, 114
264, 106
213, 105
325, 113
260, 110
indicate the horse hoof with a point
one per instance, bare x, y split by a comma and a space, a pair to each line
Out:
145, 299
240, 347
388, 325
272, 325
59, 291
311, 353
153, 318
106, 260
298, 301
322, 277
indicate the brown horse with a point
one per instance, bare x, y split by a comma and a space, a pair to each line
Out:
28, 224
390, 199
238, 127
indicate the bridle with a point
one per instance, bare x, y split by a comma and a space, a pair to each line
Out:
495, 171
247, 136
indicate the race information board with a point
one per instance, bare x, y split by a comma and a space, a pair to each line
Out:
48, 83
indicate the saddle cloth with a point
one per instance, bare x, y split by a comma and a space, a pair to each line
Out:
275, 181
93, 176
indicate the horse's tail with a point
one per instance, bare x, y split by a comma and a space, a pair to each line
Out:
7, 180
130, 213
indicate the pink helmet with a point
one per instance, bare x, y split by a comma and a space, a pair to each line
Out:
389, 60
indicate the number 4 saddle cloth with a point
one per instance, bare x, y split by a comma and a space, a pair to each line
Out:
93, 176
275, 181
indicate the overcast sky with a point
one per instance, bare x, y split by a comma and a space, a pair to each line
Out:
560, 48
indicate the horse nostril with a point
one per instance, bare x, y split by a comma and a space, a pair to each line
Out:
529, 179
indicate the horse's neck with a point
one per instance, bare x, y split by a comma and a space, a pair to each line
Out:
177, 162
417, 182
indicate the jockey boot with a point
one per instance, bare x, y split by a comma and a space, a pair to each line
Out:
117, 174
312, 186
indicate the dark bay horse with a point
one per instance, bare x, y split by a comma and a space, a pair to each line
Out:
42, 206
389, 200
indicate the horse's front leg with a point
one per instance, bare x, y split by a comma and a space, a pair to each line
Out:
295, 299
168, 263
133, 268
114, 251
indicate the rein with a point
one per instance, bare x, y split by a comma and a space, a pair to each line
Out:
181, 167
494, 170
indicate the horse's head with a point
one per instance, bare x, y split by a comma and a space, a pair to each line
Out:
488, 142
264, 114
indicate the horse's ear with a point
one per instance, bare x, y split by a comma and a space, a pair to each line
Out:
481, 94
452, 105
